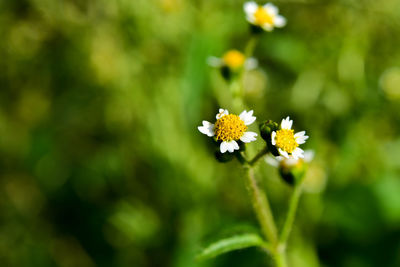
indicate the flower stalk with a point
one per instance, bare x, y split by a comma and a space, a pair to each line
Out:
261, 207
291, 214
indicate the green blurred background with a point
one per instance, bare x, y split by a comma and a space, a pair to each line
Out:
101, 162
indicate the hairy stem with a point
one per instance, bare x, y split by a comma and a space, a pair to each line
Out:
258, 156
261, 207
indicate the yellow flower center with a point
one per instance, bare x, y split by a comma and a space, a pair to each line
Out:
261, 16
285, 140
234, 59
229, 127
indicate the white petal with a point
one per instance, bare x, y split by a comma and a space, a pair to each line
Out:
301, 140
251, 63
232, 146
283, 124
223, 147
273, 161
271, 9
248, 137
207, 128
290, 123
247, 117
298, 152
273, 138
299, 134
214, 61
236, 145
279, 21
250, 7
279, 158
308, 155
283, 153
222, 112
286, 123
251, 19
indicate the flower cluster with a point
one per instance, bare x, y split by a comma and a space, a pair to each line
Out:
230, 128
263, 18
230, 131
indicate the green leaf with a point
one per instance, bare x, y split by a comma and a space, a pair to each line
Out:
232, 243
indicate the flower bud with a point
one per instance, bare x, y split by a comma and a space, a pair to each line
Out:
254, 29
226, 73
292, 174
266, 128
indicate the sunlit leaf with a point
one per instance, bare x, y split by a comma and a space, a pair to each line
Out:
232, 243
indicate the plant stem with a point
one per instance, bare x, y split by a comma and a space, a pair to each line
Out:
258, 156
237, 85
261, 207
280, 258
287, 227
250, 46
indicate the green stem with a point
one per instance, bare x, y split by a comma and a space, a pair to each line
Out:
280, 259
261, 207
287, 227
237, 86
237, 94
250, 46
258, 156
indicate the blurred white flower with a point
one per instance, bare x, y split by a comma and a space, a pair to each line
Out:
289, 162
233, 59
229, 129
287, 142
265, 16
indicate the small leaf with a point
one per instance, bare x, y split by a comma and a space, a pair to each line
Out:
230, 244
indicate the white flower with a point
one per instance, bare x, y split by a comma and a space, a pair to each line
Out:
289, 162
265, 16
287, 142
229, 129
234, 60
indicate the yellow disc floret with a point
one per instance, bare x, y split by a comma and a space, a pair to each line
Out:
234, 59
261, 16
285, 140
229, 127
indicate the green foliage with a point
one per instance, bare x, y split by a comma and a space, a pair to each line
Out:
232, 243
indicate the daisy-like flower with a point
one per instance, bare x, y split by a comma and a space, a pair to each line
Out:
287, 142
229, 129
265, 16
234, 60
289, 163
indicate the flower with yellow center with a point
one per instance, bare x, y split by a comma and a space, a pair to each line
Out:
265, 16
287, 141
230, 128
234, 60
